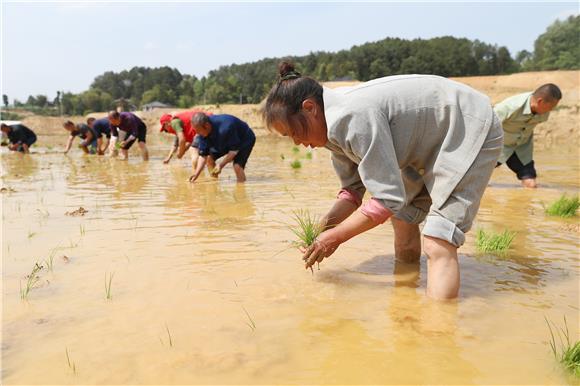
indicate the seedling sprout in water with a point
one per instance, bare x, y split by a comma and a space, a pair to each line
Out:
108, 281
296, 164
564, 207
494, 242
568, 354
31, 281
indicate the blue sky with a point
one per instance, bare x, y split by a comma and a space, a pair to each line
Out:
63, 45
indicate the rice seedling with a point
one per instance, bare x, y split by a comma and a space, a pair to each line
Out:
307, 228
296, 164
108, 281
71, 364
251, 322
169, 335
31, 281
563, 207
289, 192
309, 155
295, 150
568, 354
494, 242
50, 261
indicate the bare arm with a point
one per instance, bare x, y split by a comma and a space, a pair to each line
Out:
170, 155
199, 169
112, 144
69, 143
181, 146
341, 210
226, 160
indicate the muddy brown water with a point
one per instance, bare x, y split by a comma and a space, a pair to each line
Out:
206, 288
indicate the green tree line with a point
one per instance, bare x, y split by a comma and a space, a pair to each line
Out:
557, 48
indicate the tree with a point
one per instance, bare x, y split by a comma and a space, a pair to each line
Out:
559, 47
5, 100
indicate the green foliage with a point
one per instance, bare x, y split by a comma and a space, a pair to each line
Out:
307, 228
568, 354
10, 116
493, 242
250, 82
559, 47
564, 207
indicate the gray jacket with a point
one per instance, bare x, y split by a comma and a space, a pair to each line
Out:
421, 123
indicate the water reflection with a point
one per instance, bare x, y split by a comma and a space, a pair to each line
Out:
16, 166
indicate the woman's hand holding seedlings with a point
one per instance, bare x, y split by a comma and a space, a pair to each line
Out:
327, 242
324, 246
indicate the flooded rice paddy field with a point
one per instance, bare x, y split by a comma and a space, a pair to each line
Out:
205, 287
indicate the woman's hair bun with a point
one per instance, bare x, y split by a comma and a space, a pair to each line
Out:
284, 68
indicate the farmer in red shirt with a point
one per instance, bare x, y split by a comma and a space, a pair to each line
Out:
179, 124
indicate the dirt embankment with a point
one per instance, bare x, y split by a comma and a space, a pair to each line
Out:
563, 125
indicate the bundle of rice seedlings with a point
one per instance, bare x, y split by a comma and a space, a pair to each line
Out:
563, 207
493, 242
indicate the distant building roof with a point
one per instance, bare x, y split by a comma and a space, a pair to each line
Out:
155, 104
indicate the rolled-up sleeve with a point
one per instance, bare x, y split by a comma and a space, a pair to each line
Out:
371, 140
347, 172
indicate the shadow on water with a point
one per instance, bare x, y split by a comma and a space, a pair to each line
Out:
481, 275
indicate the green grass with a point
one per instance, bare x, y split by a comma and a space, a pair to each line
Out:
31, 281
296, 164
566, 353
309, 155
295, 150
493, 242
108, 281
307, 228
564, 207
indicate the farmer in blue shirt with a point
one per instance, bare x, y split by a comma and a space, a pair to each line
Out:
20, 137
101, 127
224, 136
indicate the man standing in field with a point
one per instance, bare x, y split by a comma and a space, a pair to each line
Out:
519, 115
224, 136
20, 137
136, 131
185, 136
